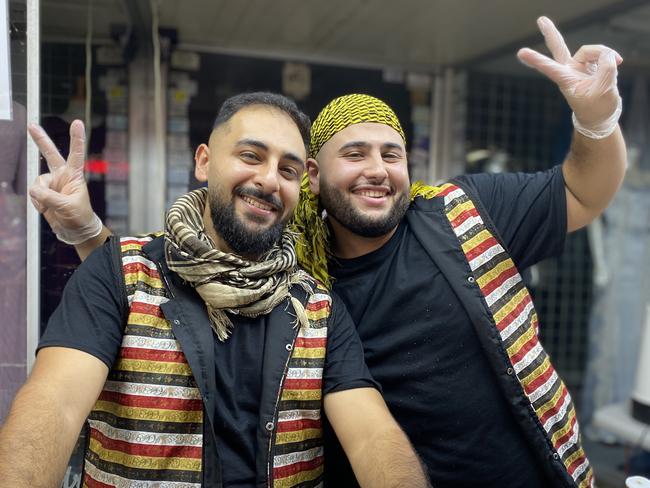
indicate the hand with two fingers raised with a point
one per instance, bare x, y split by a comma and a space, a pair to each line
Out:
588, 80
62, 194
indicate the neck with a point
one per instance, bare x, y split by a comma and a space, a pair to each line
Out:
348, 245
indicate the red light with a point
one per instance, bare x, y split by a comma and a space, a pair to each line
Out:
97, 166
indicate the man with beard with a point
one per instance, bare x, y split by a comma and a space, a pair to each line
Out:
430, 277
200, 356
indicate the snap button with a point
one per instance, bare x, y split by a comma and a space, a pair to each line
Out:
269, 426
556, 456
289, 347
177, 322
510, 371
471, 279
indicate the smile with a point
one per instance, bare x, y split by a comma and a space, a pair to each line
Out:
257, 203
371, 193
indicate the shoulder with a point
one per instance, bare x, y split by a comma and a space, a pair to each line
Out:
100, 263
319, 301
150, 244
426, 198
481, 184
146, 249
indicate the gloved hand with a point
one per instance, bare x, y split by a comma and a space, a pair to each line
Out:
587, 80
62, 195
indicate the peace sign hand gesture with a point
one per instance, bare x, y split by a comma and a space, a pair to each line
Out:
62, 195
587, 80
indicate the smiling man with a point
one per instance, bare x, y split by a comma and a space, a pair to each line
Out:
365, 185
430, 277
204, 356
268, 204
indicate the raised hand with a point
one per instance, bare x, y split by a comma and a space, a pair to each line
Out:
62, 195
587, 79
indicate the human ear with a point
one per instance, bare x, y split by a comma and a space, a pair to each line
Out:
202, 163
312, 173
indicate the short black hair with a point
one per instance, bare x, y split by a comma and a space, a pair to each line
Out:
235, 103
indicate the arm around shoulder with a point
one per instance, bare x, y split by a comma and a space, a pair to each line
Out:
41, 429
85, 248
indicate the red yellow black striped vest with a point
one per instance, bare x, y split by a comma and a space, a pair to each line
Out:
512, 310
146, 428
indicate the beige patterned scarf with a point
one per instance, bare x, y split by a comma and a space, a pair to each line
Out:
227, 282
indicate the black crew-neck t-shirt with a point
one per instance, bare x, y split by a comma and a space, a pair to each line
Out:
91, 318
238, 363
420, 344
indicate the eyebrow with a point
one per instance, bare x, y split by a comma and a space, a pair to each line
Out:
259, 144
252, 142
366, 145
391, 145
352, 144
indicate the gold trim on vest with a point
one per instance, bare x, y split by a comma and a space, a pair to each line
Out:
298, 444
513, 312
146, 428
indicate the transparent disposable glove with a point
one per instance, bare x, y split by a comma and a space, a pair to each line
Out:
62, 195
587, 80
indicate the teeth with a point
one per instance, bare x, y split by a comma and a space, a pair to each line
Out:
256, 203
373, 194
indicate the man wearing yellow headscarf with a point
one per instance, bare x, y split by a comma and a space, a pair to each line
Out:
430, 276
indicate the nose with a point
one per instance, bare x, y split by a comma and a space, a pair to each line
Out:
267, 177
375, 168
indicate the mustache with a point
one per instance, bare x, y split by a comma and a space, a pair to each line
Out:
272, 200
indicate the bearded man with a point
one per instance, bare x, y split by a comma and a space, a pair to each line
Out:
204, 355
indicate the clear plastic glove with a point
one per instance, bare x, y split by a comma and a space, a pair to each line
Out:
62, 195
587, 80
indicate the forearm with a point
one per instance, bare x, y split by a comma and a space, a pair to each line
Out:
387, 459
86, 247
593, 171
36, 440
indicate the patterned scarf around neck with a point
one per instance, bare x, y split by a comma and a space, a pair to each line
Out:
227, 282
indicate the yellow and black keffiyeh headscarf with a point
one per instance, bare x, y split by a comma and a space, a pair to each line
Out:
313, 246
348, 110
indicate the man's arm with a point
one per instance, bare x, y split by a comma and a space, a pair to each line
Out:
62, 194
377, 448
86, 247
46, 417
595, 165
82, 338
593, 172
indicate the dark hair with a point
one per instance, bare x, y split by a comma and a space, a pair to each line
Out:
235, 103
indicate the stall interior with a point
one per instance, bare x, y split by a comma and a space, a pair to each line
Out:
504, 118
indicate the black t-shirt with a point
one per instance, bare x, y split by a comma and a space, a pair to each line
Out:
239, 385
91, 317
420, 344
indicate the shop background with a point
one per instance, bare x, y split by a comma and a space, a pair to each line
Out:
451, 75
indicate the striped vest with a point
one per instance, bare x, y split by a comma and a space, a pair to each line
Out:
147, 426
511, 309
